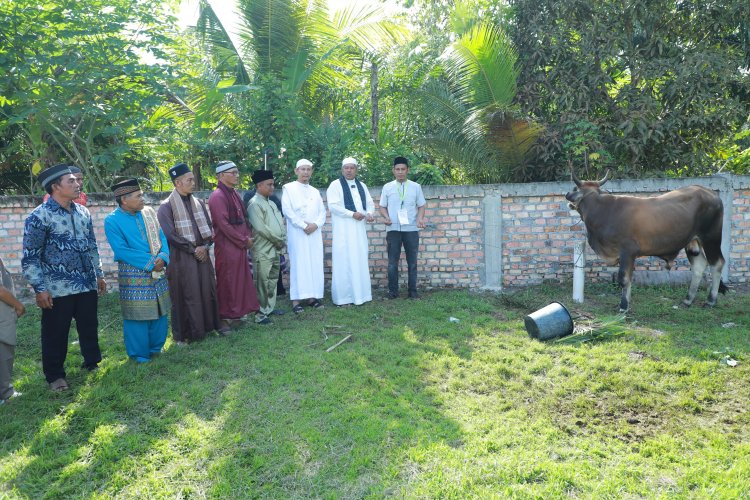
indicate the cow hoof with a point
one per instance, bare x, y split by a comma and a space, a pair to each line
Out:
687, 303
708, 305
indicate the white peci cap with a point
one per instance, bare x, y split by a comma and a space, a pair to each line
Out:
349, 161
303, 162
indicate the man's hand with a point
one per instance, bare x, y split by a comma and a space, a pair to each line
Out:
311, 228
387, 221
20, 309
159, 264
249, 243
201, 253
358, 216
44, 300
421, 223
369, 218
102, 285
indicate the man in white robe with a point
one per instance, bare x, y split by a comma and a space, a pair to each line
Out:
305, 216
351, 209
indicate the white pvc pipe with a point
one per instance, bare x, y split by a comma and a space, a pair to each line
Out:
579, 262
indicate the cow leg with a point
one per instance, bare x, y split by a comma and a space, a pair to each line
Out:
715, 259
716, 283
625, 278
698, 264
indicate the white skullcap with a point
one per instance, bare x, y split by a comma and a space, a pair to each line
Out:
349, 161
303, 162
223, 167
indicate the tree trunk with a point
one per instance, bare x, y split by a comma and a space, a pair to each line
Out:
374, 100
198, 177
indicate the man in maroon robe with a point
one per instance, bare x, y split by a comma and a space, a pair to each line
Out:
232, 237
186, 223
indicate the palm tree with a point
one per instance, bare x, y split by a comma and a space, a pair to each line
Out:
472, 100
298, 44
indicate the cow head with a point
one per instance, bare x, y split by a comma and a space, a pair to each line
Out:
583, 188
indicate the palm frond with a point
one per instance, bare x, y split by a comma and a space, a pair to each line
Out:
482, 66
270, 31
511, 136
219, 44
367, 27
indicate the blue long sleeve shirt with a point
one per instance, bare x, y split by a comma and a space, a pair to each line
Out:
126, 234
60, 255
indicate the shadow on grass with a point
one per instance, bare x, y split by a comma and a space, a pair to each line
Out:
266, 411
94, 437
306, 422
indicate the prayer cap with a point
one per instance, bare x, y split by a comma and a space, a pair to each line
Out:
50, 175
74, 169
178, 170
126, 187
262, 175
303, 162
349, 161
400, 160
225, 165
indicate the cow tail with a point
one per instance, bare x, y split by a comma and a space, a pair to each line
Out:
723, 288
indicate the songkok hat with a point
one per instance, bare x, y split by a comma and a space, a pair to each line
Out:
74, 169
262, 175
303, 162
126, 187
223, 166
349, 161
400, 160
178, 170
50, 175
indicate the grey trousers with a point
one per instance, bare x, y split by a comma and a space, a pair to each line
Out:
7, 353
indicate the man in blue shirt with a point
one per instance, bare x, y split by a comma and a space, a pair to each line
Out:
61, 262
142, 254
402, 205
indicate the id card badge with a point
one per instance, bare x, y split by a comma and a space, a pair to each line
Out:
403, 219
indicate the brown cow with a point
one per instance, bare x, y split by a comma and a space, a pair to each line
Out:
622, 228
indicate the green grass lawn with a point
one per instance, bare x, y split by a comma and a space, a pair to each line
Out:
414, 405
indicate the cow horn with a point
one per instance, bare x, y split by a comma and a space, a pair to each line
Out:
573, 176
605, 179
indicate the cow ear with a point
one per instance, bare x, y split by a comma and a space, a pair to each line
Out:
573, 176
605, 179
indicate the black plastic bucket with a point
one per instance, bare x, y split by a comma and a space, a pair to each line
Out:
549, 322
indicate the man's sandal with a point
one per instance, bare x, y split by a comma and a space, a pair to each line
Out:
316, 304
297, 309
59, 385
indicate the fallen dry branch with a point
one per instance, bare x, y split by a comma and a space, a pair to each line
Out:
334, 346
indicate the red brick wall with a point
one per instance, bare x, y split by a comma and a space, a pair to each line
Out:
537, 228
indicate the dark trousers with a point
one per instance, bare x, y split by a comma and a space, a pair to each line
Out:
410, 241
55, 329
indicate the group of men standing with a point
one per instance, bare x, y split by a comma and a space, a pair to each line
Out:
164, 261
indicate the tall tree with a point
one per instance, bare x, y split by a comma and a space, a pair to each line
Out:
302, 60
642, 86
76, 87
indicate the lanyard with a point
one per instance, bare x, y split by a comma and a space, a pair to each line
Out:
402, 192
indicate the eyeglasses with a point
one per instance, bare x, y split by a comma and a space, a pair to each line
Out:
232, 172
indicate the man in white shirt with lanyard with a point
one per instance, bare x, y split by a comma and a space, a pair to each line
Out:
402, 205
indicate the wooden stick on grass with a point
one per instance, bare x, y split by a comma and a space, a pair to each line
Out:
334, 346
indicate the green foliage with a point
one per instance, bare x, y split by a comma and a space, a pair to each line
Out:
76, 88
414, 406
478, 127
427, 174
305, 67
661, 85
